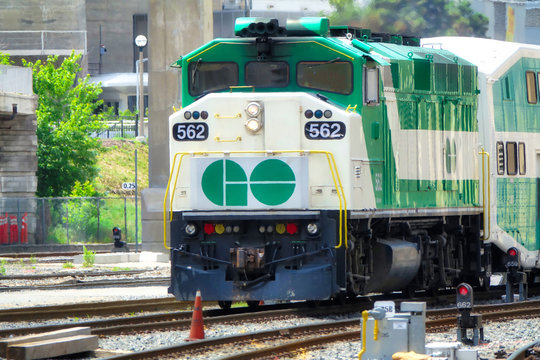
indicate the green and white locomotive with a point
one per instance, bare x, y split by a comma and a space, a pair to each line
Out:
312, 162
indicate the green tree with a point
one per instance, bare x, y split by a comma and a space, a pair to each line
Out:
67, 154
413, 17
4, 59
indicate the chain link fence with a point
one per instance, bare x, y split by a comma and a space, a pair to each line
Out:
70, 220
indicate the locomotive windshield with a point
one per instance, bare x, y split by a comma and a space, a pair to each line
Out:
267, 74
206, 77
332, 76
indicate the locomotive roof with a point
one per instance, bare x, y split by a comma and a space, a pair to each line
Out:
489, 55
380, 52
381, 48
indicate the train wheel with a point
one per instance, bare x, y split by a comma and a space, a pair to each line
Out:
340, 299
225, 305
253, 304
409, 292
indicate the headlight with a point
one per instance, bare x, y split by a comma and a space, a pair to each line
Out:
312, 228
190, 229
253, 125
253, 109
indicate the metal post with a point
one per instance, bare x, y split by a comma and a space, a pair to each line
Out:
125, 220
141, 93
43, 239
100, 54
19, 223
67, 221
97, 205
136, 207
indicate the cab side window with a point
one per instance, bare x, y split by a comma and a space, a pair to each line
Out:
532, 87
371, 85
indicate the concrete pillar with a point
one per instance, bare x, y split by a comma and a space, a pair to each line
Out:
176, 27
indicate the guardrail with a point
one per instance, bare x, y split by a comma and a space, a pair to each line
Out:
43, 42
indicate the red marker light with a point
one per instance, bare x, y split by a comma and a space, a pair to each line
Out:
512, 252
208, 229
463, 290
292, 228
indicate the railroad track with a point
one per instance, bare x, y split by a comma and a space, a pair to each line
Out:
289, 340
72, 273
78, 283
176, 320
82, 310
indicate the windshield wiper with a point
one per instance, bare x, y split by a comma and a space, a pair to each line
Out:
195, 71
325, 63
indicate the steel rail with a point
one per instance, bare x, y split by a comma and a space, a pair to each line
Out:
71, 274
86, 284
95, 308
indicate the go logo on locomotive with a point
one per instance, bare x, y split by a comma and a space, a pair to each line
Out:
248, 182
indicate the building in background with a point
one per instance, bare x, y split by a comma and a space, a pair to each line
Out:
102, 31
511, 20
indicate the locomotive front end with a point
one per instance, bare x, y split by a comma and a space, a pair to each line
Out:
257, 196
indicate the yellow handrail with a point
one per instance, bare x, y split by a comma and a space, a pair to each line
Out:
331, 163
487, 211
235, 116
241, 87
238, 138
365, 315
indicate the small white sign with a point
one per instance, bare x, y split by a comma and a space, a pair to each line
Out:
128, 186
400, 325
388, 306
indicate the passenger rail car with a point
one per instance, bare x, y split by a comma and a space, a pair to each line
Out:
311, 162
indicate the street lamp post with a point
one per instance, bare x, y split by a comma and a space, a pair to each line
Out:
141, 42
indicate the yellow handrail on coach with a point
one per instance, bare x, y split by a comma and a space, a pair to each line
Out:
331, 164
487, 210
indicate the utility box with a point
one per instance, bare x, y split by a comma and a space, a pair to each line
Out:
397, 332
450, 351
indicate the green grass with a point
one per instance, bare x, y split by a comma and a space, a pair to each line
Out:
117, 165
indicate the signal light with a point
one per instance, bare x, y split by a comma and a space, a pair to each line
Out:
464, 296
512, 257
327, 114
308, 114
219, 228
196, 115
292, 228
187, 115
204, 115
117, 237
318, 114
280, 229
209, 228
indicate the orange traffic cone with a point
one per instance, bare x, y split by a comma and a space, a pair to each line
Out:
197, 326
